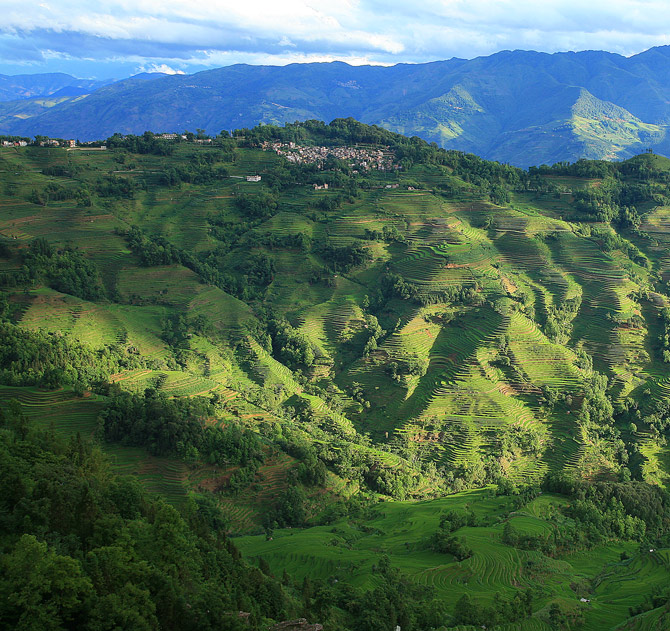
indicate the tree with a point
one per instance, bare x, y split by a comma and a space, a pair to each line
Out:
510, 536
291, 509
40, 589
467, 611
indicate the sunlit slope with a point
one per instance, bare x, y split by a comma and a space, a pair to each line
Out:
493, 305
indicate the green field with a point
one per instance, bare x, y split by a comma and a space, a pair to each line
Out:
349, 551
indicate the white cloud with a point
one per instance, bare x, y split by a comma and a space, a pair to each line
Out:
161, 68
286, 42
217, 58
179, 33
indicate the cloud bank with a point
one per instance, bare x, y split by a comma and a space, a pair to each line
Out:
188, 35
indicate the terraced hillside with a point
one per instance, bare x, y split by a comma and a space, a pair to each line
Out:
595, 590
481, 308
438, 326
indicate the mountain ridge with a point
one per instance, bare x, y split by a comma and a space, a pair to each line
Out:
512, 106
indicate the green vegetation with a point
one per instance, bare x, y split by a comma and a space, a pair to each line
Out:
86, 551
350, 372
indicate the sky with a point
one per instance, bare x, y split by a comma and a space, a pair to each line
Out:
107, 39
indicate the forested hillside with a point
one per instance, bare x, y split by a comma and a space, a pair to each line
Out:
413, 386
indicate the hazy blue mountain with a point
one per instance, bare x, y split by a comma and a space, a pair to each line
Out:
28, 86
521, 107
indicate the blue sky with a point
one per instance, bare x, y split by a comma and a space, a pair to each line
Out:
117, 38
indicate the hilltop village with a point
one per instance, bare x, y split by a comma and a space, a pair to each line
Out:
365, 159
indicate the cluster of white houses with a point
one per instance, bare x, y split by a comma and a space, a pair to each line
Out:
359, 157
200, 141
43, 143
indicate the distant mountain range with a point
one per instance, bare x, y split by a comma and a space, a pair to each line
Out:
54, 85
519, 107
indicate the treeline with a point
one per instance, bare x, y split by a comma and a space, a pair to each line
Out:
147, 143
116, 187
515, 608
638, 168
364, 466
254, 271
444, 541
285, 343
664, 338
14, 138
85, 550
344, 258
582, 168
623, 510
623, 186
107, 186
389, 234
262, 205
343, 131
59, 170
227, 232
608, 240
613, 201
654, 416
395, 601
200, 168
157, 250
54, 192
393, 285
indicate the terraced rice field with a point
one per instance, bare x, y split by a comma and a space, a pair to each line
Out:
524, 261
69, 415
545, 363
165, 476
347, 552
599, 278
60, 409
173, 382
449, 355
